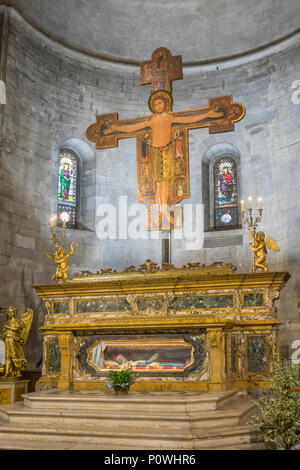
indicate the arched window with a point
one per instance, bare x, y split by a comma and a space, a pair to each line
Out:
225, 192
68, 189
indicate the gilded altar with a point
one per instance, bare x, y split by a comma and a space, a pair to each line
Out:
190, 328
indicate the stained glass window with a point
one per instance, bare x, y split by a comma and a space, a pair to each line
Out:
67, 198
226, 193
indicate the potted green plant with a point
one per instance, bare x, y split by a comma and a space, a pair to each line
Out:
278, 416
121, 380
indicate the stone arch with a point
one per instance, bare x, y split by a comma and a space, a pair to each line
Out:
80, 147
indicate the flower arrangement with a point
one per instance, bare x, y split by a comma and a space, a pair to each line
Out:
121, 380
279, 412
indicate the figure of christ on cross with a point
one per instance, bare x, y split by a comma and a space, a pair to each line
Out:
162, 146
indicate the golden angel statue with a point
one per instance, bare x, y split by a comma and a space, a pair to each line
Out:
259, 245
14, 334
61, 259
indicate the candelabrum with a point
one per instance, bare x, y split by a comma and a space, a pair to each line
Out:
59, 256
57, 240
252, 223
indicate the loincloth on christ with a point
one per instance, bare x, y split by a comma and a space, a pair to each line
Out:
162, 163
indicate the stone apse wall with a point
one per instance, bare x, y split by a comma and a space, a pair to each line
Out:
53, 95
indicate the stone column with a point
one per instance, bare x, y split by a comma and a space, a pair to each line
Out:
216, 345
66, 350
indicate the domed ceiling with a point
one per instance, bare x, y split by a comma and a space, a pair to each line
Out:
129, 30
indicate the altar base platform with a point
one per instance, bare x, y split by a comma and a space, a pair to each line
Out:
54, 419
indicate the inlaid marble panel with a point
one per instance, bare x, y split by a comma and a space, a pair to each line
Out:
256, 353
60, 307
54, 356
109, 305
233, 351
145, 303
202, 302
254, 299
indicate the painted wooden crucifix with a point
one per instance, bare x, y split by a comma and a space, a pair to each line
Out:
162, 137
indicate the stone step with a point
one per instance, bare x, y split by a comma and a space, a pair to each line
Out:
139, 420
29, 444
150, 401
247, 446
202, 439
177, 422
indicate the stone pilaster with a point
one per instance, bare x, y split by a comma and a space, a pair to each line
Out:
66, 347
216, 359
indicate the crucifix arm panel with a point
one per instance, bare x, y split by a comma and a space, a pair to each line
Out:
107, 129
219, 116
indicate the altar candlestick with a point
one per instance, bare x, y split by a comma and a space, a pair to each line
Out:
57, 240
252, 221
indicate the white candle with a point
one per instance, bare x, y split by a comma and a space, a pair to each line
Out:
249, 199
53, 220
259, 202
